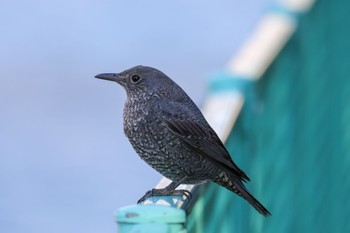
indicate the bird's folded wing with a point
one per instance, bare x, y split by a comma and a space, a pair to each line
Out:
201, 137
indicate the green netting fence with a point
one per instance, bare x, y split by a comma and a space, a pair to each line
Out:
293, 137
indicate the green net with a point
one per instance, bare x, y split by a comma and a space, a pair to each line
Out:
293, 137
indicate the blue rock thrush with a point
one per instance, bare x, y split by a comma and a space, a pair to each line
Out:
169, 132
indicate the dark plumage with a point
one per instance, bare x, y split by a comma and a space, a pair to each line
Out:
169, 132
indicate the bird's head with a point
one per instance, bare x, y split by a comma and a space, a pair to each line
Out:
140, 80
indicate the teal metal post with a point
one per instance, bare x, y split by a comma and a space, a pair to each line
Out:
151, 218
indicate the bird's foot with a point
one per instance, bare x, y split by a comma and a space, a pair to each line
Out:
165, 192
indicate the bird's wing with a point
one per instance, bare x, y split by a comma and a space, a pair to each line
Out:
198, 135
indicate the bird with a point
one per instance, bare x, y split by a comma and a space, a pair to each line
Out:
169, 132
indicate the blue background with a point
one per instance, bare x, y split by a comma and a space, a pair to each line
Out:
65, 165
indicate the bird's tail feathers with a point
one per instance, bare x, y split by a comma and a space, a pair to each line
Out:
251, 199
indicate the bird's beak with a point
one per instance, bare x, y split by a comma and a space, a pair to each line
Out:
111, 77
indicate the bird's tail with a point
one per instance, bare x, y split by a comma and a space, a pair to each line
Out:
251, 199
235, 185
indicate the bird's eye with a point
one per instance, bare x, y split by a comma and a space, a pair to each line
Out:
135, 78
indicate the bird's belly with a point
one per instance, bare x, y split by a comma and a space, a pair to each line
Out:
167, 153
171, 157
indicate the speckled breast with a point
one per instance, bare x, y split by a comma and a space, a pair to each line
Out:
162, 149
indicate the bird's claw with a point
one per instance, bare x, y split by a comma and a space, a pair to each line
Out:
144, 197
163, 192
186, 193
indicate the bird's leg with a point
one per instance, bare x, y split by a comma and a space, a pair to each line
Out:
167, 191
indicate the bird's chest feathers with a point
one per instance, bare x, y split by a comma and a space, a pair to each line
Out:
143, 127
138, 121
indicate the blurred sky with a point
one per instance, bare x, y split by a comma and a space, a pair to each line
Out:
65, 165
